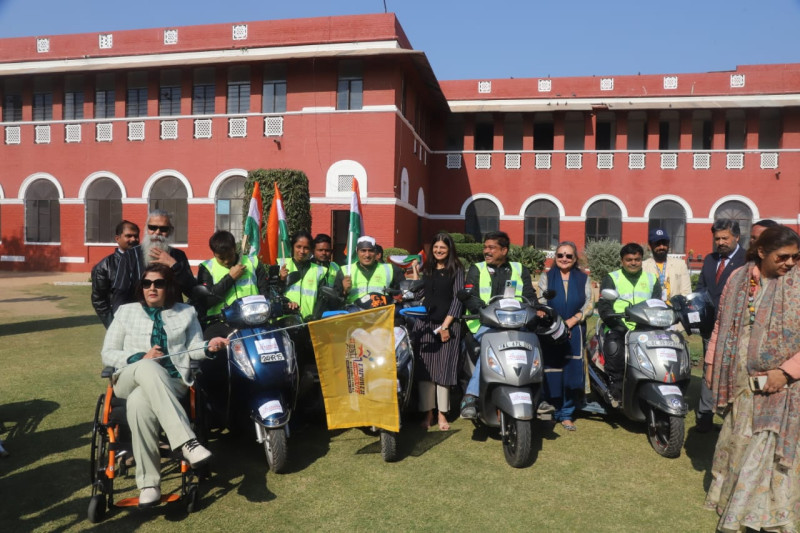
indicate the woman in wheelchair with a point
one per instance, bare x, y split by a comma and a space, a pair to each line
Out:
150, 344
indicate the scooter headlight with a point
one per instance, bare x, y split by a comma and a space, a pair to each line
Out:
511, 319
660, 318
493, 363
536, 361
255, 310
402, 347
644, 361
289, 353
684, 357
241, 360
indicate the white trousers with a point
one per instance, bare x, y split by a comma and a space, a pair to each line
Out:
432, 394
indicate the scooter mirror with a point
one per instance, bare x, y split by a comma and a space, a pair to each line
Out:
464, 294
609, 294
329, 293
201, 293
292, 278
549, 294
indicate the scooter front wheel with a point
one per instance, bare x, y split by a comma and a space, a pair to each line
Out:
517, 446
276, 448
389, 446
666, 433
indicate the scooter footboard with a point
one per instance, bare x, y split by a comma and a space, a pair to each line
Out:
665, 397
271, 410
515, 401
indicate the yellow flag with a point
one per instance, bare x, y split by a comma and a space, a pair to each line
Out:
357, 368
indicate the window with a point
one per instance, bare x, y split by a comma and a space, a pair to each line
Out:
136, 101
73, 98
42, 212
484, 131
735, 129
574, 130
169, 93
543, 132
455, 133
769, 128
350, 90
274, 92
637, 130
239, 90
541, 225
169, 194
103, 210
669, 130
603, 221
605, 131
104, 96
230, 206
702, 130
203, 91
482, 216
42, 99
12, 100
670, 216
739, 212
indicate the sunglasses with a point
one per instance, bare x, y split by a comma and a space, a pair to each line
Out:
162, 229
562, 256
159, 283
782, 258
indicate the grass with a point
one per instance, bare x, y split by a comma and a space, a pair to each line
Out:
604, 477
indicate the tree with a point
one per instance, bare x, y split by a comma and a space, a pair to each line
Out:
293, 185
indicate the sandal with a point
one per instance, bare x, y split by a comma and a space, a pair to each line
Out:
568, 425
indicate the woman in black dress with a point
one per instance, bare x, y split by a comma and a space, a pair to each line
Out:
439, 334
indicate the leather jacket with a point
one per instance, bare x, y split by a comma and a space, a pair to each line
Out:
103, 274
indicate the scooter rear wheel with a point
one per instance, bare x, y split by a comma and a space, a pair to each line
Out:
667, 436
517, 446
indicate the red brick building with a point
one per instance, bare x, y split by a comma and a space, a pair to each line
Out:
103, 126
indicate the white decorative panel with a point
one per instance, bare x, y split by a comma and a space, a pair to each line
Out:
42, 134
606, 84
237, 127
170, 36
669, 161
513, 160
106, 40
636, 161
737, 81
544, 161
344, 182
273, 126
169, 129
483, 161
545, 86
701, 161
43, 45
453, 160
202, 128
239, 32
574, 161
769, 160
605, 161
104, 132
670, 82
135, 131
72, 133
735, 161
13, 135
484, 87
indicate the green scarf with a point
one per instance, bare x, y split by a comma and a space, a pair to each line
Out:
159, 338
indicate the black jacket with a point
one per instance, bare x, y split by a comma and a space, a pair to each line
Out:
227, 284
103, 274
131, 266
708, 274
499, 277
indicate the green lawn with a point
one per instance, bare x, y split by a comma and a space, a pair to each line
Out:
604, 477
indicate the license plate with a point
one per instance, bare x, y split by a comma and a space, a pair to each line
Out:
272, 357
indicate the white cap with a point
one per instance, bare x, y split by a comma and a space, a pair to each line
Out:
365, 242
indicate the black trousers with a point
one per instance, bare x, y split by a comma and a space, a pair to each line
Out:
614, 353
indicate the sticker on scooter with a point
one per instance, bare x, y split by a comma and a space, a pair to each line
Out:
694, 317
270, 408
272, 357
256, 298
518, 398
667, 354
266, 345
642, 338
517, 357
515, 344
670, 390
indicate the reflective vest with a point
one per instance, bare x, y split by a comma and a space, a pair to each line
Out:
246, 285
304, 291
485, 288
634, 294
333, 271
381, 278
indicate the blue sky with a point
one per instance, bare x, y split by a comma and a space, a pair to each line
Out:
469, 39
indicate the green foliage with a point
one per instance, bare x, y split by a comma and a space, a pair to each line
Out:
530, 257
393, 251
602, 257
461, 237
694, 279
293, 185
471, 252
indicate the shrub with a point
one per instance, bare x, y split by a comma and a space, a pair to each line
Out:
458, 238
393, 251
293, 185
530, 257
471, 252
694, 279
602, 256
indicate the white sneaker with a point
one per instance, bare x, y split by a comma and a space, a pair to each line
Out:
149, 496
195, 453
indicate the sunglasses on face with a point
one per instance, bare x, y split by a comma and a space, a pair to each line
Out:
162, 229
782, 258
562, 256
159, 283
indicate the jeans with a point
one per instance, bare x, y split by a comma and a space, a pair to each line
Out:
474, 385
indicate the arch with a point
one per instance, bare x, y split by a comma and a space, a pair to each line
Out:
230, 205
604, 224
217, 182
102, 209
345, 167
167, 192
94, 176
737, 198
481, 216
420, 202
610, 198
548, 197
482, 196
148, 185
23, 188
687, 209
670, 216
404, 185
542, 228
2, 194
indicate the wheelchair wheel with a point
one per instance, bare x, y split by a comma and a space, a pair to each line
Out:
98, 453
192, 499
97, 508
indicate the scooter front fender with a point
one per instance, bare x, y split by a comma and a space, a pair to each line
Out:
270, 410
663, 397
518, 402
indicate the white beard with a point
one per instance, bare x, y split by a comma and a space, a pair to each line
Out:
149, 242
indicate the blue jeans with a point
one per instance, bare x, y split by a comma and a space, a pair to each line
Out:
474, 385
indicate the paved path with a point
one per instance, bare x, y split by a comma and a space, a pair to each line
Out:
15, 296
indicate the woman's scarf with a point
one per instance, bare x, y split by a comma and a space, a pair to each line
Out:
774, 338
159, 338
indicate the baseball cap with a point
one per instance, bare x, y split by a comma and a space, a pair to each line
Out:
657, 234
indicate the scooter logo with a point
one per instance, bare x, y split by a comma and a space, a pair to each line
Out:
355, 359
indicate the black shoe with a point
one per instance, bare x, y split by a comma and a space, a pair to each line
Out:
468, 409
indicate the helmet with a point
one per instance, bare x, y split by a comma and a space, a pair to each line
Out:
696, 313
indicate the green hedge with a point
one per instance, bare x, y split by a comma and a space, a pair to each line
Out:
602, 256
530, 257
293, 185
393, 251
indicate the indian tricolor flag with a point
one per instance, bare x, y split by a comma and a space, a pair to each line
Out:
277, 231
356, 229
251, 241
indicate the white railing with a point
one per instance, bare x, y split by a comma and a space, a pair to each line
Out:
135, 131
669, 161
453, 161
574, 161
605, 161
13, 135
544, 161
636, 161
237, 127
701, 161
202, 128
169, 130
42, 134
513, 161
104, 132
72, 133
483, 161
273, 127
769, 160
734, 161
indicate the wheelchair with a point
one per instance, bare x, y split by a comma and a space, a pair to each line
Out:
111, 451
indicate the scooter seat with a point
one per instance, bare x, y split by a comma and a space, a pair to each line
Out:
328, 314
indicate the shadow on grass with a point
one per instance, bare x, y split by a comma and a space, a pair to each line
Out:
35, 326
45, 298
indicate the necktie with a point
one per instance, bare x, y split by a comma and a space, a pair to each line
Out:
720, 268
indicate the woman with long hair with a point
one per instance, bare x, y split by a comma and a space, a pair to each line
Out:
303, 291
753, 371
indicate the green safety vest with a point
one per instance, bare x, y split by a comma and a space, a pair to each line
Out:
244, 286
485, 288
333, 271
304, 291
360, 285
634, 294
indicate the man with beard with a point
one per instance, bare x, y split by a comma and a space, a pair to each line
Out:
672, 273
717, 268
103, 274
154, 248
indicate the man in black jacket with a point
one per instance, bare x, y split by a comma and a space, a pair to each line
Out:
126, 234
155, 248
